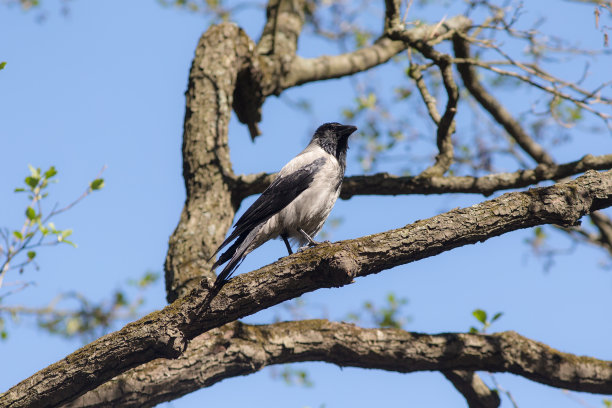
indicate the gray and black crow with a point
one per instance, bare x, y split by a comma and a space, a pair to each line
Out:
295, 205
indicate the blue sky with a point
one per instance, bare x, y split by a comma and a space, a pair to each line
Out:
105, 86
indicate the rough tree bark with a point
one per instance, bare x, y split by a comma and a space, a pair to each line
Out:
209, 210
239, 349
165, 334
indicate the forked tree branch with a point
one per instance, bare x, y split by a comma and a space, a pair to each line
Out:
305, 70
446, 122
241, 349
167, 332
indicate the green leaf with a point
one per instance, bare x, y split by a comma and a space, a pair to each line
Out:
120, 299
496, 316
66, 233
30, 213
34, 172
19, 190
51, 172
18, 235
2, 65
480, 315
31, 255
67, 242
97, 184
32, 181
473, 330
348, 114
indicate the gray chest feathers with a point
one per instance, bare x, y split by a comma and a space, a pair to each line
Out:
310, 209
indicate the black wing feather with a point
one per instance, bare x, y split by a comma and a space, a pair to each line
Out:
277, 196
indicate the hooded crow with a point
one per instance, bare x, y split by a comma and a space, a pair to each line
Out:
296, 204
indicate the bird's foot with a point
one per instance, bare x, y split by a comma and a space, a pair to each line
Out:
312, 244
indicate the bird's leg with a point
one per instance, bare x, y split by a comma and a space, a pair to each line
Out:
284, 237
311, 242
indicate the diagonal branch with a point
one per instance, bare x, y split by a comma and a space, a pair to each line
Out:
604, 225
445, 123
305, 70
499, 113
388, 184
167, 332
473, 389
237, 349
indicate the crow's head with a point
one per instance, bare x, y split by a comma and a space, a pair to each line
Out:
333, 138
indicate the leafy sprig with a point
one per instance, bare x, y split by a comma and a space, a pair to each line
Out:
18, 248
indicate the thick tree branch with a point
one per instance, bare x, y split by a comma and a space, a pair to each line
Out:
277, 68
271, 61
388, 184
167, 332
497, 110
329, 67
208, 211
284, 21
240, 349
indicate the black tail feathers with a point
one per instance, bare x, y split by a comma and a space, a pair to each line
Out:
235, 254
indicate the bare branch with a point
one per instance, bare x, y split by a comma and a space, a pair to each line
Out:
416, 73
305, 70
501, 115
588, 97
604, 225
446, 123
328, 67
473, 389
283, 26
166, 333
270, 62
392, 12
236, 349
388, 184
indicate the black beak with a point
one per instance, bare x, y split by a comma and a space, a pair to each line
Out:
346, 130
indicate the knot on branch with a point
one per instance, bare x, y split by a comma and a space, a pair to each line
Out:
336, 269
568, 202
171, 343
